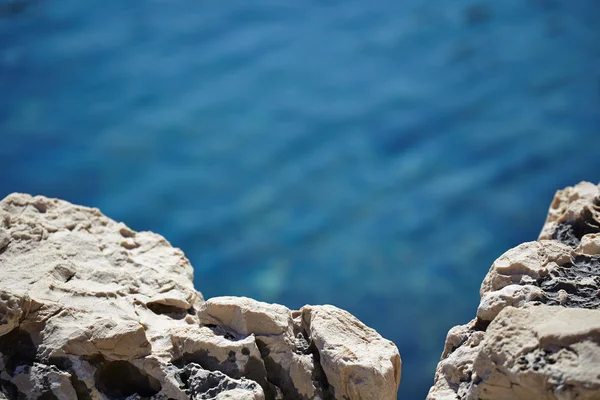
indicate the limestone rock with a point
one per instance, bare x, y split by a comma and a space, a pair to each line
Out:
90, 309
536, 334
574, 212
327, 351
215, 385
360, 363
539, 352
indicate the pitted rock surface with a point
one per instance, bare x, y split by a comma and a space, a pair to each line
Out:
537, 332
90, 309
574, 213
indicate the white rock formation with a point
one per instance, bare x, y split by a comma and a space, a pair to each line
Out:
91, 310
537, 330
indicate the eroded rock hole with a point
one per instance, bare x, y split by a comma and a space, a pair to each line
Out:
571, 233
170, 311
217, 330
580, 279
201, 357
565, 234
18, 349
120, 379
41, 207
481, 325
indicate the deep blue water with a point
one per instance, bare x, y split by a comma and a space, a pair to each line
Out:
375, 155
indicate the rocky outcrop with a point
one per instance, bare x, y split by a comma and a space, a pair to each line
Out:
90, 309
537, 330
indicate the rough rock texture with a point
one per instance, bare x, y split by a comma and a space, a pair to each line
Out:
537, 330
90, 309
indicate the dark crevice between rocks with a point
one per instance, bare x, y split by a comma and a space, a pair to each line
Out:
64, 364
81, 389
319, 377
61, 363
95, 360
70, 277
570, 233
18, 349
481, 325
121, 379
198, 382
170, 311
254, 371
570, 278
202, 358
219, 331
48, 395
10, 390
280, 378
184, 378
303, 345
277, 375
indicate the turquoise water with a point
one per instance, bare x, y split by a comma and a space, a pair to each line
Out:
376, 155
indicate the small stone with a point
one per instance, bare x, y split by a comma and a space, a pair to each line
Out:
562, 297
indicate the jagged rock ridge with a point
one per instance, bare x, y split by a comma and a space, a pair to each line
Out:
537, 330
91, 310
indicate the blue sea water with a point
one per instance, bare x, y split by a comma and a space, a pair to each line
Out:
375, 155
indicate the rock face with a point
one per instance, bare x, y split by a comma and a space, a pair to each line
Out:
537, 330
90, 310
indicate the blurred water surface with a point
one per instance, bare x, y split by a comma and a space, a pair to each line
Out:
375, 155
